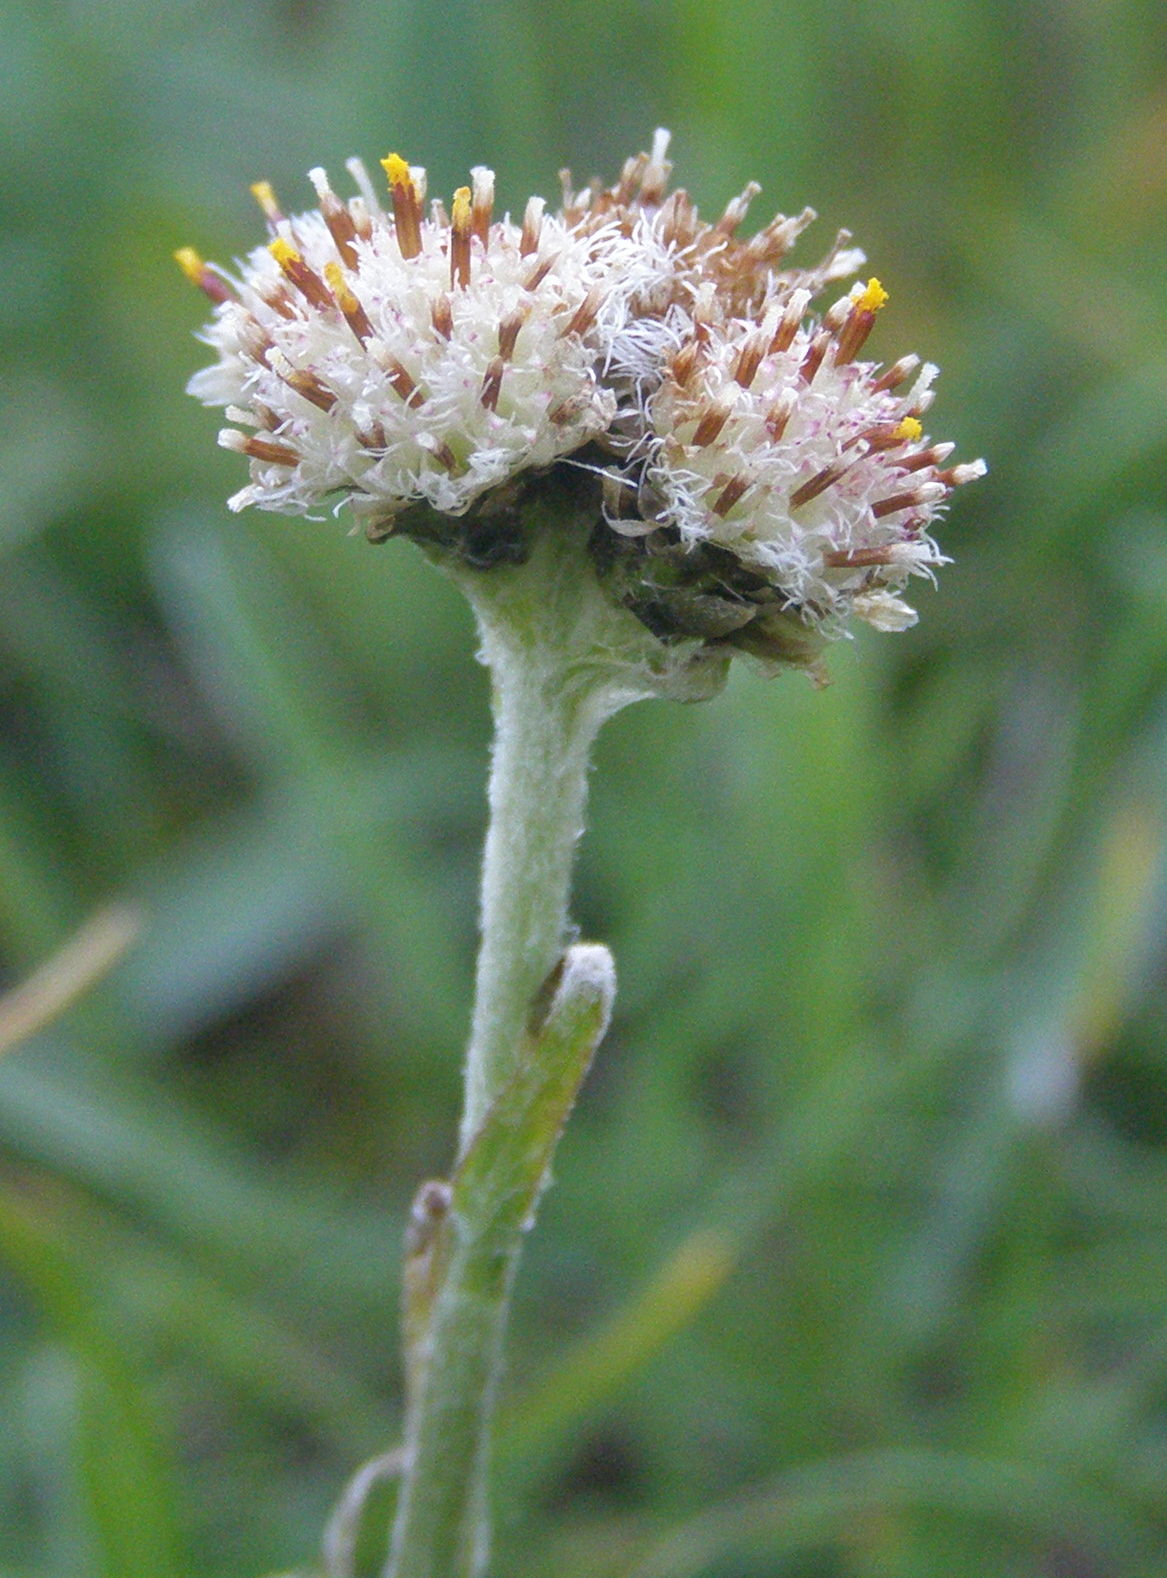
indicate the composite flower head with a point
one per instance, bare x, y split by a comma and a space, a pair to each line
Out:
754, 481
769, 438
383, 356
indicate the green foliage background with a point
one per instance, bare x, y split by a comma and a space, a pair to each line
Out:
855, 1263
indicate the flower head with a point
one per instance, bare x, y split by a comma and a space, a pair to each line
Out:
754, 481
393, 357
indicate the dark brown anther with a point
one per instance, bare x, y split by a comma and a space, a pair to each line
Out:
301, 274
730, 494
401, 381
265, 449
508, 333
539, 273
340, 227
481, 203
255, 340
585, 314
895, 374
818, 483
406, 205
277, 298
852, 335
309, 386
714, 418
857, 558
780, 413
750, 359
442, 316
787, 327
374, 438
460, 239
813, 359
896, 501
684, 363
492, 384
354, 314
923, 457
532, 226
445, 456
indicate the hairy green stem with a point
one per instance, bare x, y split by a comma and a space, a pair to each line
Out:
563, 656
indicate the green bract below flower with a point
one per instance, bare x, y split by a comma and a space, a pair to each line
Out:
753, 482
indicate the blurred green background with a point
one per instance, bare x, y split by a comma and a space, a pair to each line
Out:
856, 1263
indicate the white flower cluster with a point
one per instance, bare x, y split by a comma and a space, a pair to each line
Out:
397, 359
385, 357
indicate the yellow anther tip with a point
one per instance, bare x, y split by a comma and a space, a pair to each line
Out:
872, 298
909, 430
190, 263
283, 251
397, 170
265, 196
338, 285
461, 208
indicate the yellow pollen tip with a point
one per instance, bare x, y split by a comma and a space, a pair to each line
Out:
397, 170
339, 286
873, 298
460, 216
283, 252
191, 264
265, 196
909, 430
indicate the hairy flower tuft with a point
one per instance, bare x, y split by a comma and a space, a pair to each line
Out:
754, 481
386, 358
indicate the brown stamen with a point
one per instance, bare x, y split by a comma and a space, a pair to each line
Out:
308, 385
300, 274
714, 418
780, 413
813, 359
730, 494
354, 314
852, 335
199, 274
532, 226
896, 374
508, 333
857, 558
482, 202
750, 359
585, 314
442, 316
406, 205
788, 326
895, 501
491, 384
818, 483
460, 239
265, 449
539, 273
399, 378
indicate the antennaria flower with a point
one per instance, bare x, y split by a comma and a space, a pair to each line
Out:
754, 481
638, 446
393, 358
